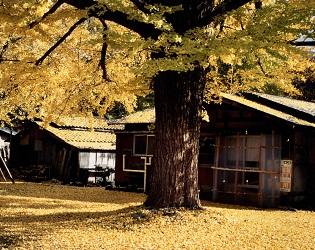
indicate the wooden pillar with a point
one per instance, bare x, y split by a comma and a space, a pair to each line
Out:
261, 174
215, 172
273, 167
238, 149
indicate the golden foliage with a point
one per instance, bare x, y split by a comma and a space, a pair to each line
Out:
144, 116
253, 49
251, 44
46, 216
70, 80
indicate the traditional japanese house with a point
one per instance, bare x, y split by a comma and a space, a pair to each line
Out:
64, 149
263, 151
256, 149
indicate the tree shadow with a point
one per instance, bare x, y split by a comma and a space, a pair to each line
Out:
113, 219
11, 203
71, 193
209, 204
8, 241
124, 219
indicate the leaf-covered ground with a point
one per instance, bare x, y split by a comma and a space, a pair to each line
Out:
47, 216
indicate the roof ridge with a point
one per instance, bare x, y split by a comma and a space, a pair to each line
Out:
268, 110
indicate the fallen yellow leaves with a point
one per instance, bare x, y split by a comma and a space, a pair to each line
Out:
44, 216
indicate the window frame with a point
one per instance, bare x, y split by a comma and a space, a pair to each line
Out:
146, 144
243, 150
207, 152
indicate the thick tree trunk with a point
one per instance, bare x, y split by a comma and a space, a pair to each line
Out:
178, 99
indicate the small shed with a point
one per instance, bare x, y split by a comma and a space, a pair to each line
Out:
64, 150
256, 149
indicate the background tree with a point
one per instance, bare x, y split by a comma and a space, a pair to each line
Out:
95, 52
305, 83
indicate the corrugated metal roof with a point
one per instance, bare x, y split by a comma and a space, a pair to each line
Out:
267, 110
85, 123
145, 116
84, 139
302, 106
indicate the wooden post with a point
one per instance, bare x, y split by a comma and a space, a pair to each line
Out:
7, 169
273, 167
79, 163
3, 176
215, 172
144, 173
238, 149
261, 174
4, 155
67, 170
63, 157
57, 164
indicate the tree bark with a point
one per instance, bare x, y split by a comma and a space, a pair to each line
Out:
178, 100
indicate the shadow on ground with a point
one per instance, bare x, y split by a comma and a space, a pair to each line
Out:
8, 241
72, 193
16, 230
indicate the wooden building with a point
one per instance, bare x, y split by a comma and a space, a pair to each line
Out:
256, 149
6, 135
63, 150
134, 149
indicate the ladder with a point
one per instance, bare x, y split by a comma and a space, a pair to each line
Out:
4, 156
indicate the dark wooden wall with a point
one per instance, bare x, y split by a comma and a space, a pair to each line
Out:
37, 155
311, 169
297, 143
124, 148
229, 119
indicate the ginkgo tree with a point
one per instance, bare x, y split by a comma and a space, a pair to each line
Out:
80, 55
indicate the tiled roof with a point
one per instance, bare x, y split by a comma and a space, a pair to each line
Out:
84, 139
302, 106
145, 116
268, 110
148, 115
84, 123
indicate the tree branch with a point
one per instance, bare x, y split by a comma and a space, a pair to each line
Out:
259, 63
141, 6
102, 62
49, 12
222, 9
68, 33
168, 3
200, 13
98, 10
258, 4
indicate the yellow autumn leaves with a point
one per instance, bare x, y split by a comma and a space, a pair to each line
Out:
252, 44
50, 216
